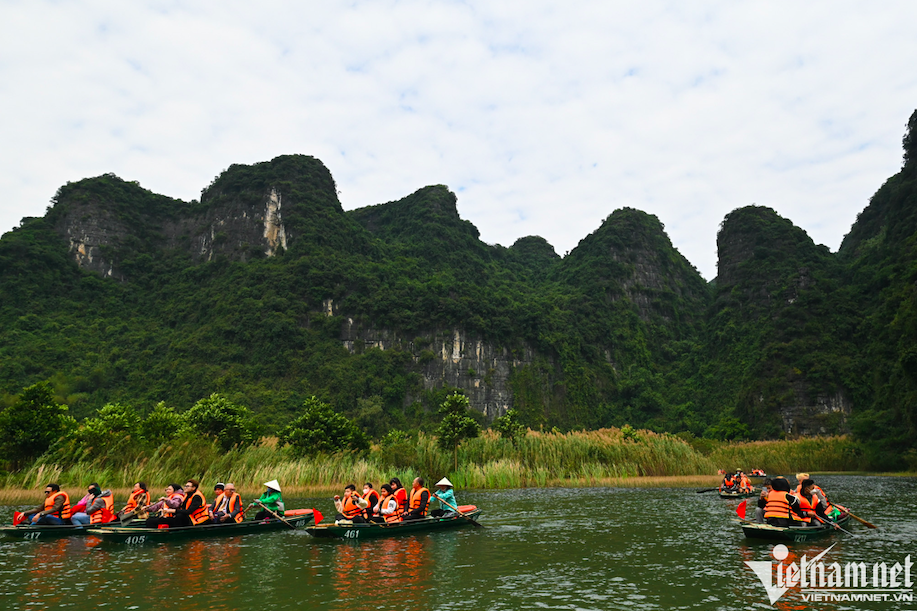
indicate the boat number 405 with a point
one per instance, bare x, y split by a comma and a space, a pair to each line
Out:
135, 539
352, 533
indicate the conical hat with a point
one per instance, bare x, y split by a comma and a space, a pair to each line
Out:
273, 485
444, 482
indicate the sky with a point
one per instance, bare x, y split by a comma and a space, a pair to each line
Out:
542, 117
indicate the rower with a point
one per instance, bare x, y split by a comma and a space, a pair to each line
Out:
54, 511
446, 497
271, 500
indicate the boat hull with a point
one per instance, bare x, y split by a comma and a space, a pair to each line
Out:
48, 532
739, 495
138, 536
795, 534
374, 531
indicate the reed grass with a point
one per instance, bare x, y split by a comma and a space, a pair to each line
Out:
606, 457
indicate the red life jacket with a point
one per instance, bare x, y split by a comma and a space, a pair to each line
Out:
64, 513
106, 513
401, 497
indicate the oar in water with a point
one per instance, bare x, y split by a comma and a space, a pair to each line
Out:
858, 519
706, 490
836, 526
455, 509
275, 515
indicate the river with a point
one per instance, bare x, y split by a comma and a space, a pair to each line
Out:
582, 549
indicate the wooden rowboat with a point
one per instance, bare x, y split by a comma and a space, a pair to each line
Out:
132, 535
372, 531
739, 495
797, 534
46, 531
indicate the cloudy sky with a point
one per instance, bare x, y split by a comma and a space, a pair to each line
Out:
543, 117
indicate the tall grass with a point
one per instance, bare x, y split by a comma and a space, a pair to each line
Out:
607, 457
793, 456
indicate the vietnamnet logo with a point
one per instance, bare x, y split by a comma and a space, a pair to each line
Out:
831, 582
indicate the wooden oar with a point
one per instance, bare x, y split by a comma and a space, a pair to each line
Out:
706, 490
836, 526
275, 515
455, 509
858, 519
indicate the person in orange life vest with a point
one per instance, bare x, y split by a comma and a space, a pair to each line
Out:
762, 501
781, 504
372, 499
822, 505
191, 512
419, 503
54, 511
744, 482
351, 506
218, 489
139, 497
810, 494
400, 494
100, 509
729, 483
386, 510
230, 506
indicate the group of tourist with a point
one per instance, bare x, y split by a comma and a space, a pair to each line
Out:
392, 503
737, 482
782, 505
180, 505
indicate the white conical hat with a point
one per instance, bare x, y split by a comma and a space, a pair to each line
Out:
444, 482
273, 485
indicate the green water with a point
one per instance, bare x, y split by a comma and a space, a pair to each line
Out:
584, 549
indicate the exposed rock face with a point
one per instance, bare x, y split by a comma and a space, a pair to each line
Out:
826, 415
89, 228
450, 358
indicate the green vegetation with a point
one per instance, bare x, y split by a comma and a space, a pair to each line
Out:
181, 325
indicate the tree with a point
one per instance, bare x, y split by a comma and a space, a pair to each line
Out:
218, 417
161, 425
457, 425
32, 423
508, 426
321, 430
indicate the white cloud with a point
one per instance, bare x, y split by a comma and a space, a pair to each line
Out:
544, 118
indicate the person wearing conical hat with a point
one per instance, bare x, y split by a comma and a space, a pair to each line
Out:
271, 500
446, 497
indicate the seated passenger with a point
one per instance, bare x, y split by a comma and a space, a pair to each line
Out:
386, 510
419, 503
445, 497
218, 489
271, 500
230, 508
400, 494
351, 506
191, 512
173, 498
729, 483
372, 499
100, 509
762, 501
138, 498
781, 504
54, 511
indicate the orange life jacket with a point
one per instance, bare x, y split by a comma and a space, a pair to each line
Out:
349, 506
141, 498
64, 513
372, 497
106, 513
200, 514
806, 508
416, 500
728, 481
777, 505
216, 501
395, 516
235, 501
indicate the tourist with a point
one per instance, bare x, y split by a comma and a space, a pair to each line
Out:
139, 497
217, 503
781, 504
191, 512
446, 497
54, 511
400, 494
386, 510
174, 495
419, 504
762, 501
351, 506
271, 501
230, 509
372, 499
99, 510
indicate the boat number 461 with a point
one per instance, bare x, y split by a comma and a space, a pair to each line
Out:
352, 533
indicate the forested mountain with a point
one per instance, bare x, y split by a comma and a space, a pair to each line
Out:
268, 292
